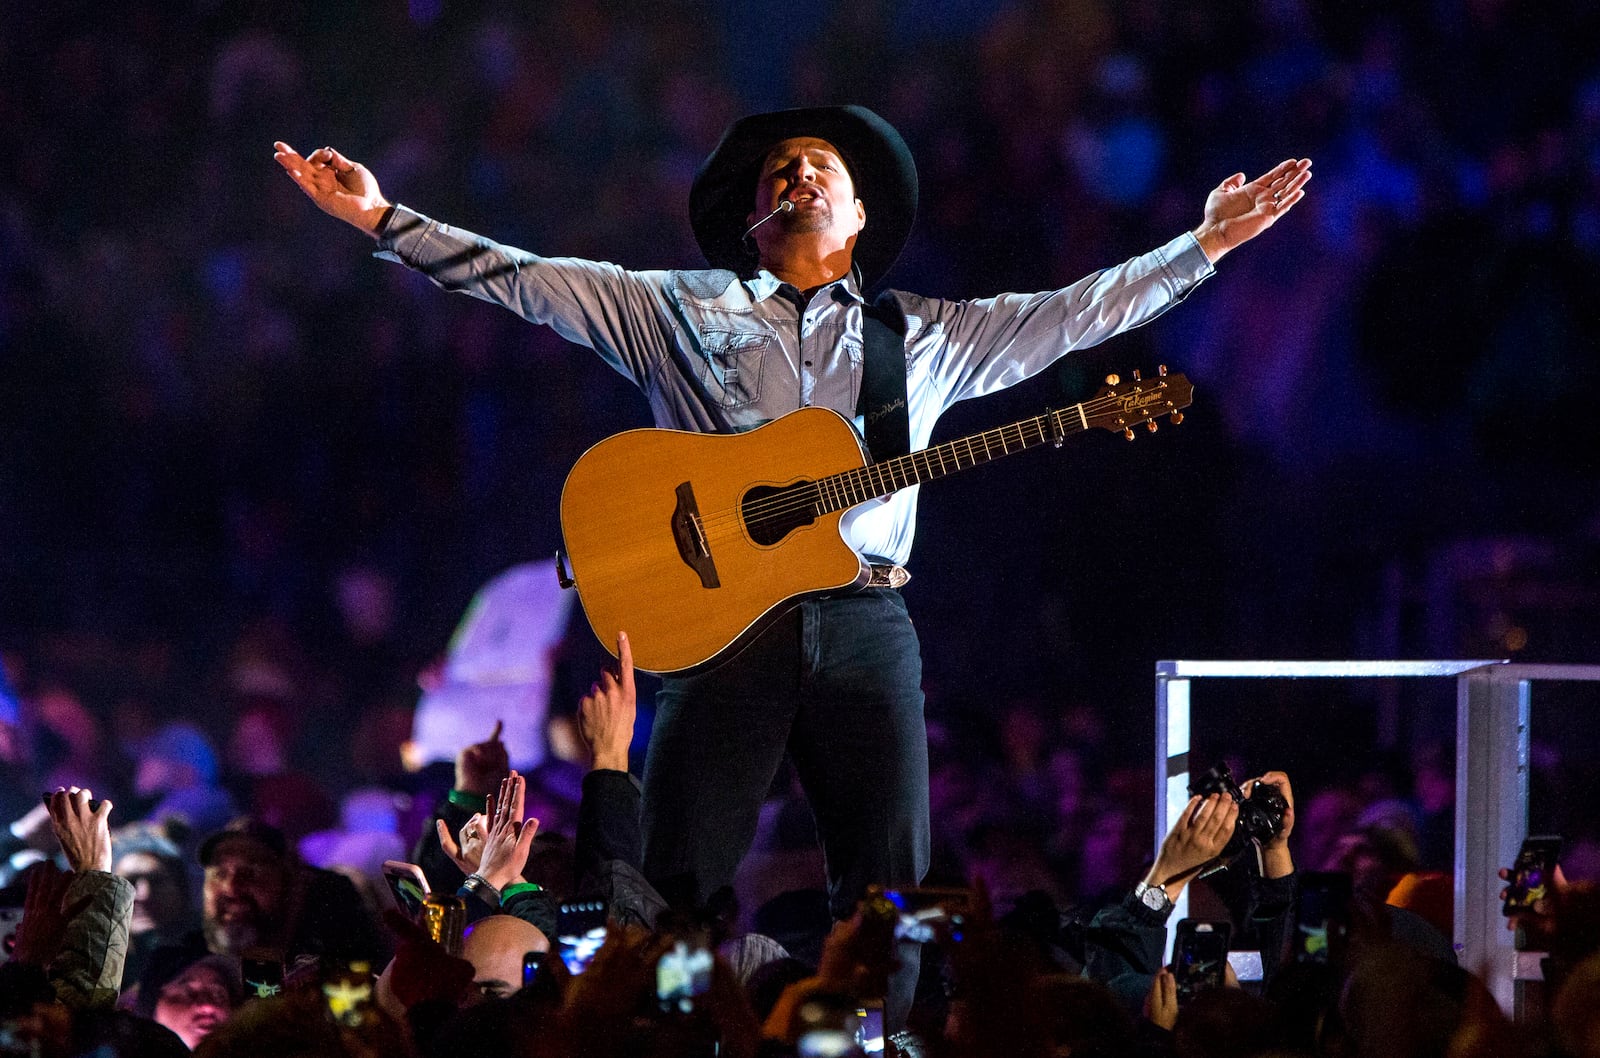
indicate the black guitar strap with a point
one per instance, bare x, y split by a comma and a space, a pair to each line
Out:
882, 404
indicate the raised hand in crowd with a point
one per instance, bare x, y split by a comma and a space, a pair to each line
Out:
80, 922
1196, 838
856, 961
479, 770
83, 832
607, 713
422, 970
995, 1006
482, 766
1276, 861
1161, 1003
1537, 922
340, 188
601, 1004
44, 919
508, 834
468, 853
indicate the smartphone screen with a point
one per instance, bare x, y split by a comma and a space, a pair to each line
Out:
1322, 919
532, 962
928, 915
683, 975
580, 931
1200, 956
831, 1027
263, 973
1532, 874
869, 1033
408, 885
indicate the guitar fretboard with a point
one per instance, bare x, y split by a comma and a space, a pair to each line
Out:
840, 491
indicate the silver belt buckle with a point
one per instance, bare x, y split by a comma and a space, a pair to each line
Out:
887, 576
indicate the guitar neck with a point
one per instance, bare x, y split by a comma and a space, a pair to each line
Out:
840, 491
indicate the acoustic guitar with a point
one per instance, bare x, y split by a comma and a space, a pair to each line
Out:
695, 542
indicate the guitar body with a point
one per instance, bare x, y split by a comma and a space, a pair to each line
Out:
693, 543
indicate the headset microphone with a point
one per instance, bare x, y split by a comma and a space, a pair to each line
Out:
785, 206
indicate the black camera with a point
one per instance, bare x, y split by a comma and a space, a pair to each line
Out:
1260, 814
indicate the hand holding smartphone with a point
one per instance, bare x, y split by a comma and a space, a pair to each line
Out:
1200, 957
1532, 875
926, 915
683, 976
580, 931
1322, 919
408, 885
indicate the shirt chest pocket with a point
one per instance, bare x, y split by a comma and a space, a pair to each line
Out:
731, 365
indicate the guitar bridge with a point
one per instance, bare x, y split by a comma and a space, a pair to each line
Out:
689, 534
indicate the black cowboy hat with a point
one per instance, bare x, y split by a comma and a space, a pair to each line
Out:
880, 165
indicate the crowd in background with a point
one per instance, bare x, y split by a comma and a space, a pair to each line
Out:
157, 938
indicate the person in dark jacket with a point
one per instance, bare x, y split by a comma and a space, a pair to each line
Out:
258, 894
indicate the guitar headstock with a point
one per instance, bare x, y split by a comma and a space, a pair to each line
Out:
1120, 405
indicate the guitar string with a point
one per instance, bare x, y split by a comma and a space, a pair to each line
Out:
796, 498
847, 484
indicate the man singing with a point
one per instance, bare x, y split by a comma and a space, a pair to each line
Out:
798, 213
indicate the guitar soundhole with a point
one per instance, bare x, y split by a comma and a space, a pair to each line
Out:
772, 512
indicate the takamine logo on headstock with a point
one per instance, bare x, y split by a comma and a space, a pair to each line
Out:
1123, 405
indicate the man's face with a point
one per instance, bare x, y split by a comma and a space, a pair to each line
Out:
810, 173
192, 1004
244, 891
157, 896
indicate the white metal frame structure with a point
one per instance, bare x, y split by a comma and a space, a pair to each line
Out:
1493, 702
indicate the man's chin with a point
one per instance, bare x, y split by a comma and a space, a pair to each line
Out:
816, 218
232, 937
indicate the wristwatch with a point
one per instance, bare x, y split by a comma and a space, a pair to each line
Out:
479, 886
1153, 896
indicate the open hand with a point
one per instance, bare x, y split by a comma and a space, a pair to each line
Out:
340, 188
1237, 211
509, 837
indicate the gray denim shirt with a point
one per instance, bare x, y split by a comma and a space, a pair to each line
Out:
719, 354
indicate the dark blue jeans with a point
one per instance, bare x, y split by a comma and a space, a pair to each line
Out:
837, 683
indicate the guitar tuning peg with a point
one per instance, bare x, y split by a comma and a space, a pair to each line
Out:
1128, 433
1176, 417
1152, 426
1161, 369
1136, 374
1112, 380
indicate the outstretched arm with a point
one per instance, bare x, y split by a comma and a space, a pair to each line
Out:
1237, 212
340, 188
